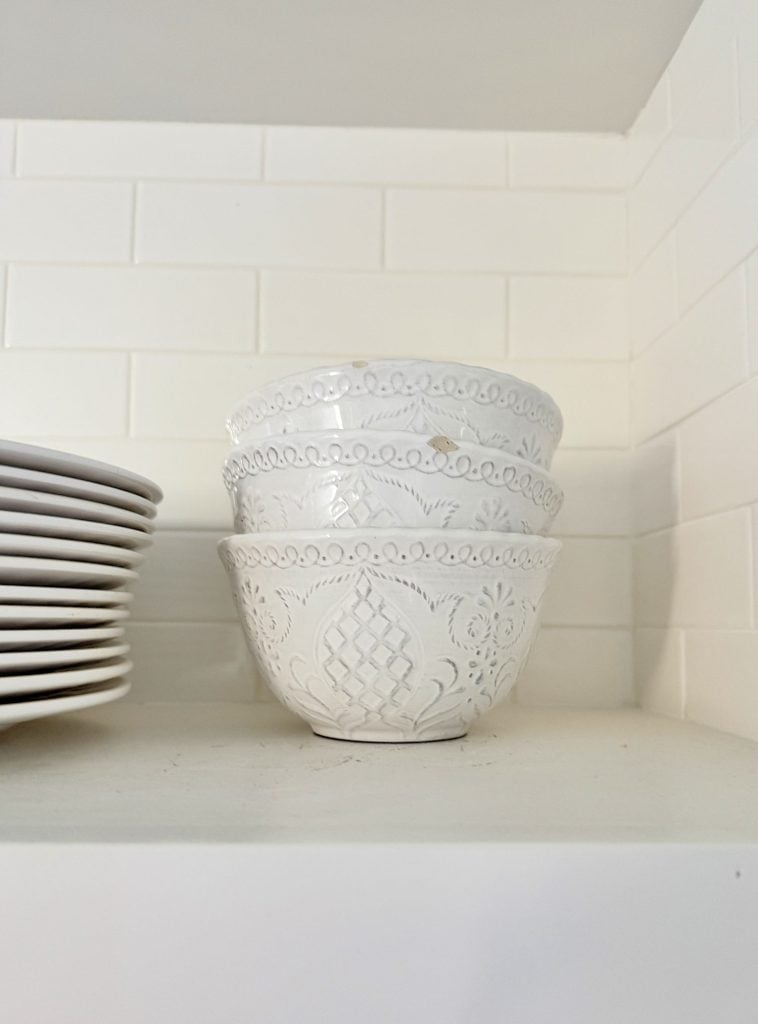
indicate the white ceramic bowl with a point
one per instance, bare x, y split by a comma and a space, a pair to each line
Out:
466, 403
389, 636
382, 479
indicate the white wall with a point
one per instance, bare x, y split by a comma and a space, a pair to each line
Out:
153, 273
693, 231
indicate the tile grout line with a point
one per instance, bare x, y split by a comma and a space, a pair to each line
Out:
264, 154
130, 395
507, 297
133, 229
257, 347
751, 547
383, 229
16, 150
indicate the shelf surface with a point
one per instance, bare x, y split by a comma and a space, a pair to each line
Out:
229, 772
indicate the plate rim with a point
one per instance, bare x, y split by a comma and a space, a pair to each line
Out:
88, 468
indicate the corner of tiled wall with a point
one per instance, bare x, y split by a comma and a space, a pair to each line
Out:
693, 230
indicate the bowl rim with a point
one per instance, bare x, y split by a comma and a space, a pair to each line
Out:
405, 440
436, 367
385, 536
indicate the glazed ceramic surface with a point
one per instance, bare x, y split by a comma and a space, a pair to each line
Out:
389, 636
19, 499
24, 661
59, 547
64, 679
54, 483
28, 638
462, 402
77, 529
18, 615
59, 571
10, 594
380, 479
46, 460
13, 711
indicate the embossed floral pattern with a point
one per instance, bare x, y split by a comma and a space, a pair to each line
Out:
466, 403
354, 479
371, 640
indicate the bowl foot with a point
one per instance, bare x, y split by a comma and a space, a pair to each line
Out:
382, 736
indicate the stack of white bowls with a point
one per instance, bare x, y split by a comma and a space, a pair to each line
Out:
71, 535
391, 551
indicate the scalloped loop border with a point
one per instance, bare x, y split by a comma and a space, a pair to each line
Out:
528, 480
249, 552
463, 384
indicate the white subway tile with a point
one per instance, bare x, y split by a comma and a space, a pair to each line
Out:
591, 585
259, 224
568, 318
437, 315
385, 155
182, 579
650, 129
189, 395
747, 57
7, 147
721, 228
123, 149
521, 232
202, 661
652, 296
701, 137
122, 307
711, 29
659, 670
655, 483
569, 160
188, 471
65, 221
580, 668
754, 527
696, 574
3, 302
719, 453
700, 358
66, 393
722, 687
594, 398
597, 492
752, 310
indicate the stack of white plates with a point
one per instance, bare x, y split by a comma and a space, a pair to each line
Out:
72, 533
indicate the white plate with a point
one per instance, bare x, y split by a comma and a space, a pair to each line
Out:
77, 529
44, 615
52, 483
21, 661
75, 550
31, 639
65, 679
52, 571
30, 456
20, 499
63, 595
25, 710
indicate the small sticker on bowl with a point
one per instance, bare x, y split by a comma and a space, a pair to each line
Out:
359, 364
442, 444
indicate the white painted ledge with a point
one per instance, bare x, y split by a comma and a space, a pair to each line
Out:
250, 773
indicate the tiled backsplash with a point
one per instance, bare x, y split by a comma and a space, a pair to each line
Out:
693, 231
154, 273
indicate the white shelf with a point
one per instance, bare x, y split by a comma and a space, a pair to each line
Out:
250, 773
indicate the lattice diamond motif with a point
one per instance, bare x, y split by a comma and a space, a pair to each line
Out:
366, 649
355, 504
